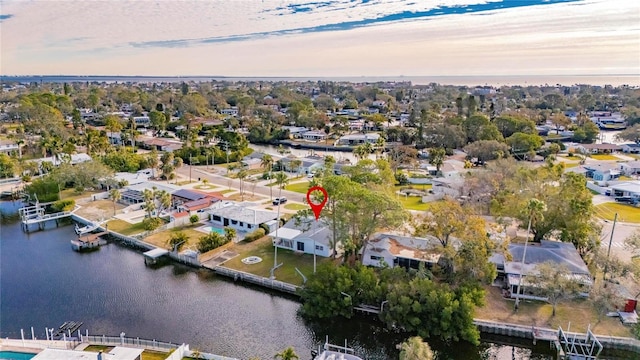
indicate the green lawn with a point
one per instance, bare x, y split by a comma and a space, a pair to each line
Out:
161, 239
124, 227
604, 157
296, 207
626, 213
568, 165
413, 203
146, 354
72, 194
264, 249
301, 187
424, 187
205, 187
227, 191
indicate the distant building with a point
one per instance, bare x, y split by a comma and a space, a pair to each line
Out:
395, 250
358, 139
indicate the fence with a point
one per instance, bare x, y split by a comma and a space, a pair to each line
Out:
258, 280
130, 342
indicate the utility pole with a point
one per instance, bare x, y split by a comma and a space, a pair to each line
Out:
606, 266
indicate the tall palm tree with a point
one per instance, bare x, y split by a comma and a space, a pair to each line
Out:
267, 163
115, 196
535, 209
415, 349
287, 354
281, 180
242, 174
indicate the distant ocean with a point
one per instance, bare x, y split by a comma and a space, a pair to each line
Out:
499, 80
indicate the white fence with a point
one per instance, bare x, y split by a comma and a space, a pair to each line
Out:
129, 342
258, 280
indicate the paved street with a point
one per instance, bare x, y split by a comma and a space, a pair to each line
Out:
621, 232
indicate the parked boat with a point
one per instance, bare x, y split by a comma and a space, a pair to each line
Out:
334, 352
86, 229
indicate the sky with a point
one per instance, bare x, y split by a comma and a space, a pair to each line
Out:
320, 37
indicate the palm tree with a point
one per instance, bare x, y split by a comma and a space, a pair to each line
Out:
267, 163
165, 201
535, 209
115, 196
153, 162
242, 174
230, 233
281, 180
415, 349
287, 354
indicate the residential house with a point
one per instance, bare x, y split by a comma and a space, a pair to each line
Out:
179, 218
161, 144
451, 186
230, 111
630, 168
309, 164
630, 148
128, 178
133, 194
241, 218
602, 171
182, 196
629, 188
295, 131
598, 148
314, 135
358, 139
73, 159
395, 250
116, 353
305, 236
560, 253
9, 147
142, 121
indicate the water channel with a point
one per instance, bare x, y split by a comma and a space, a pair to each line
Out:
43, 283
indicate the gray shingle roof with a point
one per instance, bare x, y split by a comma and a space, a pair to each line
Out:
554, 251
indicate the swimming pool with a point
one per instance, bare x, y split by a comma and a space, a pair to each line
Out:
213, 229
11, 355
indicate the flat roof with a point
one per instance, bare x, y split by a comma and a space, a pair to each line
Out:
156, 253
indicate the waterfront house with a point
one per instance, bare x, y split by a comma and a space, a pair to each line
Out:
598, 148
395, 250
358, 139
560, 253
295, 132
631, 148
251, 163
314, 135
305, 235
239, 217
630, 168
308, 165
133, 194
116, 353
183, 196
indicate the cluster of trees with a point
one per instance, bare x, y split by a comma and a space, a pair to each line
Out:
409, 301
214, 240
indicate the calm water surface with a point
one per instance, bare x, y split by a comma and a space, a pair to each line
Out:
43, 283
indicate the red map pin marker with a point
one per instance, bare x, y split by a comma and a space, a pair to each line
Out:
317, 208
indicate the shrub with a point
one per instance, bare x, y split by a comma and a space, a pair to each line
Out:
63, 205
194, 219
211, 241
259, 233
151, 223
178, 239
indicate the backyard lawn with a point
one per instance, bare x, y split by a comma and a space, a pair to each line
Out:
580, 313
626, 213
146, 354
161, 239
413, 203
124, 228
296, 207
264, 249
604, 157
300, 187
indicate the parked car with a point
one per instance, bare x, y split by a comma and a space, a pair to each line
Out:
626, 199
279, 200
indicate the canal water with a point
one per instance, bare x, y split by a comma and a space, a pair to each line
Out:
43, 283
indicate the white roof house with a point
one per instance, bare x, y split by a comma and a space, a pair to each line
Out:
304, 235
241, 218
628, 188
630, 168
395, 250
117, 353
357, 139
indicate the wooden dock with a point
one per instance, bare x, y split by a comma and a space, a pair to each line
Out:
89, 241
66, 330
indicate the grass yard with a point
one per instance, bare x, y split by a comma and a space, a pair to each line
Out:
161, 239
423, 187
154, 355
300, 187
98, 348
626, 213
205, 187
72, 194
296, 207
186, 182
124, 228
568, 165
413, 203
580, 313
604, 157
247, 197
264, 249
227, 191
